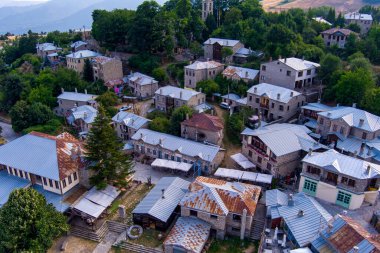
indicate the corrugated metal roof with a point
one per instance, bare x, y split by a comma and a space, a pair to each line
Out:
353, 116
174, 143
75, 96
285, 138
169, 164
358, 16
83, 54
222, 42
220, 197
244, 175
189, 233
130, 120
78, 44
244, 73
305, 228
8, 184
318, 107
275, 198
141, 79
243, 161
272, 91
175, 92
332, 160
162, 208
299, 64
198, 65
85, 112
231, 96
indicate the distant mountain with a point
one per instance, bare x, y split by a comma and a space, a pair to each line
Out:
57, 14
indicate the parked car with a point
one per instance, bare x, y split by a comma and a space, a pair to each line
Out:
125, 108
225, 105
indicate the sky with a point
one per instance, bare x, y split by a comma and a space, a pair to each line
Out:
20, 2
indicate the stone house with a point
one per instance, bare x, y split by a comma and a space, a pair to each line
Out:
127, 124
107, 69
309, 114
352, 131
69, 100
203, 128
44, 49
207, 8
213, 48
364, 21
291, 73
273, 102
336, 36
205, 158
78, 46
340, 179
231, 99
229, 207
52, 162
169, 97
142, 86
200, 71
76, 61
278, 149
241, 74
82, 117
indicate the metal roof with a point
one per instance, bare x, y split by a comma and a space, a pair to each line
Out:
304, 228
8, 184
299, 64
176, 92
244, 175
244, 73
130, 120
354, 117
358, 16
322, 20
141, 79
78, 44
334, 161
181, 166
318, 107
75, 96
189, 233
180, 145
276, 198
283, 138
273, 91
231, 96
85, 112
198, 65
83, 54
221, 197
222, 42
47, 47
159, 207
243, 161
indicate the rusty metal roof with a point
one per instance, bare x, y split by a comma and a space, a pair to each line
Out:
204, 121
221, 197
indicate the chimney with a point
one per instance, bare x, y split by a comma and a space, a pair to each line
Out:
270, 59
161, 91
76, 90
85, 91
85, 115
187, 116
200, 89
285, 60
62, 90
310, 151
369, 151
329, 227
255, 90
362, 148
290, 200
141, 135
291, 94
337, 105
133, 122
81, 55
354, 105
278, 96
356, 249
361, 122
300, 213
243, 224
160, 141
246, 73
180, 94
163, 193
344, 212
368, 169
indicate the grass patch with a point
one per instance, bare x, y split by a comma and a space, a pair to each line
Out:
149, 238
115, 206
231, 245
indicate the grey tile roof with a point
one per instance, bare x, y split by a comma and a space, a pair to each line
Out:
130, 120
85, 112
285, 138
189, 233
272, 91
299, 64
250, 74
162, 208
175, 92
336, 162
305, 229
275, 198
358, 16
141, 79
82, 54
222, 42
352, 117
198, 65
174, 143
75, 96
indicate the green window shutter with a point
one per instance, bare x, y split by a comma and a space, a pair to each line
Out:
343, 199
310, 187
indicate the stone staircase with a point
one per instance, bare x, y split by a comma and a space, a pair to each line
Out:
130, 247
97, 235
257, 229
116, 227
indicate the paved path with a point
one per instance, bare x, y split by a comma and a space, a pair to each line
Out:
106, 244
8, 132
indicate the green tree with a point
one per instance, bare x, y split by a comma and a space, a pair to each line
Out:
39, 114
354, 27
20, 116
104, 154
179, 115
226, 52
43, 95
208, 87
11, 88
160, 74
329, 64
108, 100
371, 101
88, 74
160, 124
196, 49
28, 223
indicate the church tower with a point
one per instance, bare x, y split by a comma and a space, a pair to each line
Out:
207, 8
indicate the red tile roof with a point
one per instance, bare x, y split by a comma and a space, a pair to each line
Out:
69, 151
205, 122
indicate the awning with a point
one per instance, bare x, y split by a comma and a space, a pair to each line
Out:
314, 135
244, 175
243, 161
311, 124
228, 173
168, 164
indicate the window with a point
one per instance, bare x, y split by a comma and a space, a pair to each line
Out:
193, 213
64, 183
154, 152
288, 73
70, 180
166, 156
335, 127
348, 181
281, 107
235, 229
236, 217
75, 176
263, 68
269, 166
45, 182
300, 73
56, 184
50, 183
310, 187
342, 130
288, 108
309, 72
272, 105
250, 153
364, 135
313, 170
213, 217
343, 199
250, 98
179, 159
259, 159
257, 100
172, 157
321, 121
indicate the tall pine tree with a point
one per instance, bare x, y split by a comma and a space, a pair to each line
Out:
88, 74
104, 154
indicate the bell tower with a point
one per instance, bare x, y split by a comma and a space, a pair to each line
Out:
207, 8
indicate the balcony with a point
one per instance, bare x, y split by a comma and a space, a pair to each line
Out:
258, 150
329, 181
263, 105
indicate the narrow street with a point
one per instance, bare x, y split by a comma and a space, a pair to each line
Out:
8, 132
